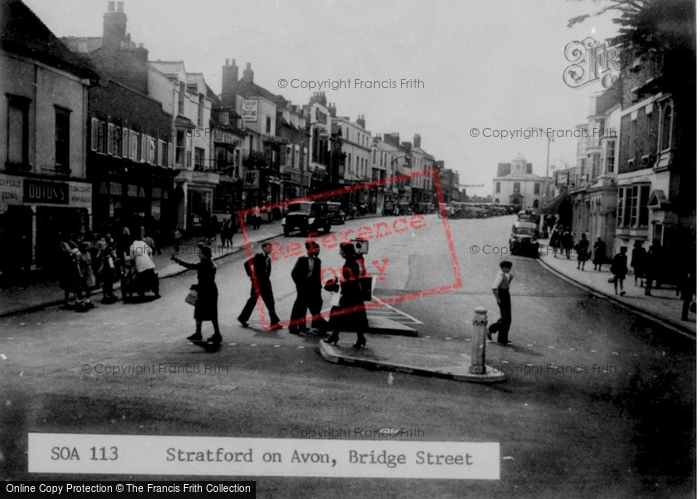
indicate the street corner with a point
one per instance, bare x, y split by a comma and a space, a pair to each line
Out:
410, 356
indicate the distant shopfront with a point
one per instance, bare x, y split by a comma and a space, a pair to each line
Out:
34, 212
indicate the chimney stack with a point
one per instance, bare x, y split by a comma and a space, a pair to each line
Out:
114, 27
416, 141
248, 74
361, 120
229, 83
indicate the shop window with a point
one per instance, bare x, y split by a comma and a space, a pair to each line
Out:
62, 139
17, 130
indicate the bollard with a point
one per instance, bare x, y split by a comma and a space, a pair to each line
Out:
480, 323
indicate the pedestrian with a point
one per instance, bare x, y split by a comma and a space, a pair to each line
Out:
69, 272
146, 277
600, 255
350, 314
619, 270
87, 275
108, 273
259, 268
654, 263
567, 241
177, 238
206, 307
501, 290
307, 278
687, 289
224, 233
256, 218
639, 262
582, 252
555, 239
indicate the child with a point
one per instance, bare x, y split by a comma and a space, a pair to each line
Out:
501, 290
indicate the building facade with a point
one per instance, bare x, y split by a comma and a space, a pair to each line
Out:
516, 184
44, 190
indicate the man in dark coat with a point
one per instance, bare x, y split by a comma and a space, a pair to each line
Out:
258, 269
307, 277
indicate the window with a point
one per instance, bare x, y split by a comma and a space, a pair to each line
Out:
632, 211
198, 158
223, 118
18, 130
117, 139
610, 157
666, 123
537, 188
133, 139
633, 139
62, 139
181, 100
152, 151
110, 139
101, 139
138, 155
180, 148
516, 187
163, 158
125, 142
200, 111
595, 167
268, 124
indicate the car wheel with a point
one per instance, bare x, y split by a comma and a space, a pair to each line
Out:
327, 228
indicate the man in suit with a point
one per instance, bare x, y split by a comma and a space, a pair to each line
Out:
307, 277
260, 287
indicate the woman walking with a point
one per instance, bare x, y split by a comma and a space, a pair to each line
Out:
567, 242
582, 252
69, 272
554, 240
87, 280
600, 255
206, 307
638, 263
350, 314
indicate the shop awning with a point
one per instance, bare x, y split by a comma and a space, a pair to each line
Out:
553, 205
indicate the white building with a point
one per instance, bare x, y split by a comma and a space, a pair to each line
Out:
516, 184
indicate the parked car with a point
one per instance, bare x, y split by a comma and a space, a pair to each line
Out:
523, 241
336, 213
522, 224
307, 217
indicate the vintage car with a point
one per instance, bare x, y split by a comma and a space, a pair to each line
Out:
336, 213
307, 217
523, 241
526, 225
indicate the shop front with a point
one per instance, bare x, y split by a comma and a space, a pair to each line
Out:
34, 213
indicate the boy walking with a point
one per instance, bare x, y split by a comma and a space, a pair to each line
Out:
501, 290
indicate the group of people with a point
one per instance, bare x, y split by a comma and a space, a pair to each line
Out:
347, 313
88, 261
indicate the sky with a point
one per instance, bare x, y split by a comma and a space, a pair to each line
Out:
483, 64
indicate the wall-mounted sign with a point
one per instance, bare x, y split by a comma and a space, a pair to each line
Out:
320, 116
249, 110
45, 192
251, 179
562, 178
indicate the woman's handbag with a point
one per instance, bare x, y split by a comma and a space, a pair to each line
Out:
191, 298
611, 278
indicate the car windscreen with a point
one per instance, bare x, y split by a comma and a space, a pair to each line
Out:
333, 207
300, 208
524, 231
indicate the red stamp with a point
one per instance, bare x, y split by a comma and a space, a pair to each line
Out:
377, 267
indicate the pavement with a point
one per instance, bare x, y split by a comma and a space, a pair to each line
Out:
48, 294
663, 307
404, 352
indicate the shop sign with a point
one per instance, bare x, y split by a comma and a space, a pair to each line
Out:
251, 179
562, 179
224, 137
250, 110
45, 192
